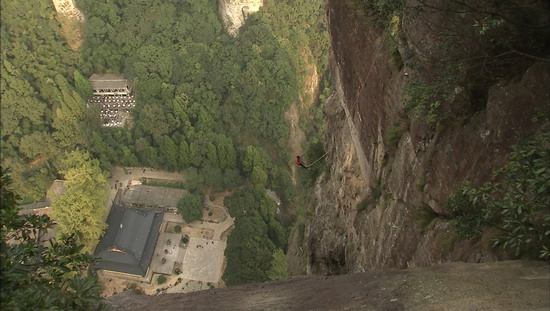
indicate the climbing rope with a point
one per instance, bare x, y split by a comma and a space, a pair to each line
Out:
364, 83
317, 160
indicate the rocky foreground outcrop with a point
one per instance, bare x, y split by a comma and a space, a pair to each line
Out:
508, 285
234, 12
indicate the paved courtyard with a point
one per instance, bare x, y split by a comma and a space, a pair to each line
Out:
153, 196
166, 253
203, 260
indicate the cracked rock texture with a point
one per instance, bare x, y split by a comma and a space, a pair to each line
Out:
453, 286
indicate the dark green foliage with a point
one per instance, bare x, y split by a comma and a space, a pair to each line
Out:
185, 239
517, 204
200, 89
283, 186
278, 270
40, 111
190, 207
232, 178
248, 252
423, 216
396, 131
370, 200
177, 229
82, 85
386, 8
213, 177
161, 279
257, 235
163, 183
315, 150
194, 179
36, 277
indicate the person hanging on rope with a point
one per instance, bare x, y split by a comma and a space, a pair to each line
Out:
299, 162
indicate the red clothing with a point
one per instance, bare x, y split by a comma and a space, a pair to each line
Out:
298, 161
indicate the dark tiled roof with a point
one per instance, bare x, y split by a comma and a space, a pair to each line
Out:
58, 187
108, 81
129, 242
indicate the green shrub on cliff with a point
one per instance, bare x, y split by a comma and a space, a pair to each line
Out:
516, 202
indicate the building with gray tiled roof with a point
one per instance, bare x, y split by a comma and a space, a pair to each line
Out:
129, 242
113, 96
110, 85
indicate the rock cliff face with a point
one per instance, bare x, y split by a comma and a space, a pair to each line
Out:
71, 20
68, 8
420, 173
234, 12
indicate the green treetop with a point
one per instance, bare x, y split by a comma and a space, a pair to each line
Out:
81, 210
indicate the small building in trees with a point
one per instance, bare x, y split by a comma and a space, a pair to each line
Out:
129, 242
114, 96
58, 187
43, 207
110, 85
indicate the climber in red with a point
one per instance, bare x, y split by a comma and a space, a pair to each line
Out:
299, 162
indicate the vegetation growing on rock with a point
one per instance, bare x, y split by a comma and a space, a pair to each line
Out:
516, 202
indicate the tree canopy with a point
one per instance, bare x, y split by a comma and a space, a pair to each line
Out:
255, 247
81, 210
190, 207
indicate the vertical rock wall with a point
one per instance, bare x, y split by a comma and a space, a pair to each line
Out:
68, 8
364, 206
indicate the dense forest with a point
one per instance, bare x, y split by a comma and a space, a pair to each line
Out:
202, 95
42, 113
207, 104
